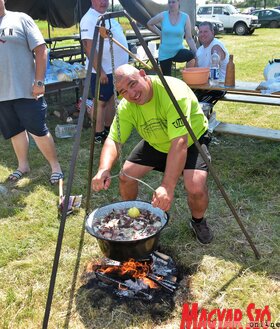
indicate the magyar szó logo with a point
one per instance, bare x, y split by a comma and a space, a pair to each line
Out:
228, 318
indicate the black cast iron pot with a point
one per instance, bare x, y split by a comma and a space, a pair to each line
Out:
124, 250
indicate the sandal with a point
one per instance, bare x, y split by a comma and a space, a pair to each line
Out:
55, 177
15, 176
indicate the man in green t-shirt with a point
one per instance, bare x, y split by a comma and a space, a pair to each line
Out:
166, 145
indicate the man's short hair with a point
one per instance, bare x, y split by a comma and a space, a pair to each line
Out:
209, 24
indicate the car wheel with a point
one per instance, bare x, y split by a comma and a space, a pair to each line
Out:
241, 29
274, 24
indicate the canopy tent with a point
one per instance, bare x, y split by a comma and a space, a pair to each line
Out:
66, 13
143, 10
62, 13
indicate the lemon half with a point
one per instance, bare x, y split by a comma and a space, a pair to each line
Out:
133, 212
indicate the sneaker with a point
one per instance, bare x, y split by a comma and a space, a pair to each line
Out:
202, 232
98, 139
106, 131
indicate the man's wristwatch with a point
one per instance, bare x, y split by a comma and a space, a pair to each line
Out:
39, 83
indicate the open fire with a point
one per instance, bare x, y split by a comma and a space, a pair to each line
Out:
140, 279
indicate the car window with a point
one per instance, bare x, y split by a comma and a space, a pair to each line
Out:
205, 11
218, 10
269, 13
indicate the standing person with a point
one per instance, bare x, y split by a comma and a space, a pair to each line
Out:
209, 44
175, 25
166, 145
23, 108
106, 112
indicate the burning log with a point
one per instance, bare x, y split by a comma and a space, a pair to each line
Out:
138, 279
162, 256
168, 285
121, 285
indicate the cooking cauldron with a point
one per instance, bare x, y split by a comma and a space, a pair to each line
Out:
124, 250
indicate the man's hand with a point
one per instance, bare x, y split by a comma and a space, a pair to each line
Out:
38, 91
175, 163
162, 198
101, 181
103, 78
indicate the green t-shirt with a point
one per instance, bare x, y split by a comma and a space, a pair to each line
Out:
158, 121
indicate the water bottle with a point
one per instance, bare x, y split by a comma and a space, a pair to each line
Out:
214, 68
65, 131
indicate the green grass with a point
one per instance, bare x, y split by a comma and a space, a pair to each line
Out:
223, 275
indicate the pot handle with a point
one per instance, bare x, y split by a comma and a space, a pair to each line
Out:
137, 179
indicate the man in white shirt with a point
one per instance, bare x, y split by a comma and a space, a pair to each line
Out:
105, 113
209, 44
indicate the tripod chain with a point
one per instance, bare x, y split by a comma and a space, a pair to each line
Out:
110, 35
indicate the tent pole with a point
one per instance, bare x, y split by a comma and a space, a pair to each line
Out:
49, 30
190, 131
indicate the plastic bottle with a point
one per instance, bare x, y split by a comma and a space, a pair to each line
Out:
215, 68
230, 73
65, 131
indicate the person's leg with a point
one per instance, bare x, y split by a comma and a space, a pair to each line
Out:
109, 113
142, 159
47, 147
195, 181
166, 67
190, 63
12, 128
100, 116
32, 116
101, 108
105, 114
108, 96
20, 144
197, 192
197, 196
99, 126
129, 186
183, 55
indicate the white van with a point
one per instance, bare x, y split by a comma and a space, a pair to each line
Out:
233, 21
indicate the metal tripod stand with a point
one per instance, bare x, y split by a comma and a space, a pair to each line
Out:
101, 22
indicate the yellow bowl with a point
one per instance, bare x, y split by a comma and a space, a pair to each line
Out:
196, 75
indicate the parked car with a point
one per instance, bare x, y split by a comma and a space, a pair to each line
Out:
217, 25
233, 21
248, 10
268, 17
